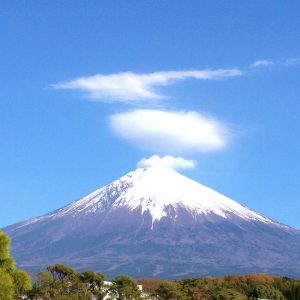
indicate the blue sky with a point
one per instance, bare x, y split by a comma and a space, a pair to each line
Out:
89, 88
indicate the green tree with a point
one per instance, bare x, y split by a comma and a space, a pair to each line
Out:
125, 288
267, 292
44, 287
6, 286
290, 288
60, 272
170, 291
94, 283
60, 282
6, 262
22, 282
226, 293
14, 283
195, 288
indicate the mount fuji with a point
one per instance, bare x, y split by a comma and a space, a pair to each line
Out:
155, 222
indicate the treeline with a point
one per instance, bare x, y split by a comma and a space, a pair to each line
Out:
235, 287
61, 282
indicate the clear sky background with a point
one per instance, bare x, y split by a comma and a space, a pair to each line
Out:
235, 88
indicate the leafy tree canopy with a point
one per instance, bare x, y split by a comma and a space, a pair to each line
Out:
14, 283
125, 288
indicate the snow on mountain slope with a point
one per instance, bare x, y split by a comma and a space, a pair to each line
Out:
153, 190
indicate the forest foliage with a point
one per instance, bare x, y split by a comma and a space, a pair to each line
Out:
13, 282
62, 282
235, 287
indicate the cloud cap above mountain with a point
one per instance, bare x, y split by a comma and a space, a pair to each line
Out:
177, 163
171, 132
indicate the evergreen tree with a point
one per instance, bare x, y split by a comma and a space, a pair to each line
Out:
226, 293
125, 288
6, 286
170, 291
60, 282
267, 292
14, 283
94, 282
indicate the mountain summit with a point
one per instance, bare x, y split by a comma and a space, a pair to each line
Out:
157, 222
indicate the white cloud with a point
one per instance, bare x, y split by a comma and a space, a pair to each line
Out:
170, 132
292, 61
261, 63
130, 87
167, 162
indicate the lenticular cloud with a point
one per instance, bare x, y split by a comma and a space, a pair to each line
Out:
170, 132
177, 163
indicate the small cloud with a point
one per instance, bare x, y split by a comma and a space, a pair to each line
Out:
170, 132
177, 163
292, 61
133, 87
261, 63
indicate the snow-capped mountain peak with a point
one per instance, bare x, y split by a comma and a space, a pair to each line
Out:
153, 190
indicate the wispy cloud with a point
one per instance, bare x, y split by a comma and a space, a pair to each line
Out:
171, 132
261, 63
266, 63
133, 87
177, 163
292, 61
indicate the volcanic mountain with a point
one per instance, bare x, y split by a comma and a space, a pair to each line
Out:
156, 222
